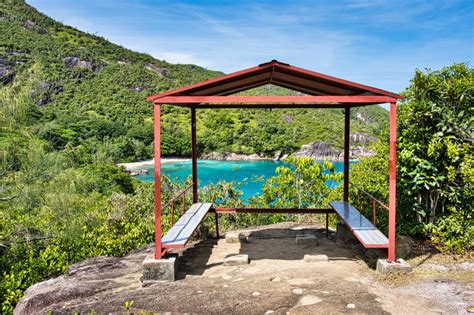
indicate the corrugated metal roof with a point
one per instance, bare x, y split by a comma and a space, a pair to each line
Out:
281, 74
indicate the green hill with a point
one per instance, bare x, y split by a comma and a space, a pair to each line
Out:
88, 95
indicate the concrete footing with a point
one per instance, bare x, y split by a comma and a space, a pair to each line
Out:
315, 258
159, 270
385, 266
306, 239
236, 260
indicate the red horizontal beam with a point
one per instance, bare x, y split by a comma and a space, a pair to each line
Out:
167, 246
263, 105
357, 99
274, 210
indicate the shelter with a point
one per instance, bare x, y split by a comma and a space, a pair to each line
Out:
319, 91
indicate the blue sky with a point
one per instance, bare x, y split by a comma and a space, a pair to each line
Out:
378, 42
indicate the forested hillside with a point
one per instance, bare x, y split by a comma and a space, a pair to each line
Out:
88, 95
71, 106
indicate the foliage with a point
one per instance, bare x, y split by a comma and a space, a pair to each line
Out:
300, 185
436, 154
63, 128
102, 105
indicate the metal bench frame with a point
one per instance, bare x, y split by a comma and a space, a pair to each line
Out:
321, 91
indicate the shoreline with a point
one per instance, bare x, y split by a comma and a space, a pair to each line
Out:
134, 165
140, 164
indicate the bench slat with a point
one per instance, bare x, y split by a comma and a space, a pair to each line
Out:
362, 228
182, 230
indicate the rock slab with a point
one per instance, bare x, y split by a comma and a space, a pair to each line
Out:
159, 270
236, 260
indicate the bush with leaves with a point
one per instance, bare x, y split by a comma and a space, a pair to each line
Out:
436, 127
435, 174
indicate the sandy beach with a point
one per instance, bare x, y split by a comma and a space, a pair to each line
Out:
139, 164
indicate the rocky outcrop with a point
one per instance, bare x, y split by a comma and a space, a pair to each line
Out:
363, 138
44, 93
6, 72
320, 150
138, 88
72, 62
10, 59
227, 156
362, 118
160, 71
317, 150
30, 24
83, 280
205, 285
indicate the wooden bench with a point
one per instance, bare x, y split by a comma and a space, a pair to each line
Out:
182, 230
362, 228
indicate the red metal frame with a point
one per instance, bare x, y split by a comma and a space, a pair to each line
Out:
322, 91
269, 100
266, 73
275, 210
194, 154
347, 130
157, 154
392, 187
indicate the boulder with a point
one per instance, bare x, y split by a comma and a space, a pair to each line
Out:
364, 138
319, 150
6, 73
72, 62
30, 24
226, 156
138, 88
160, 71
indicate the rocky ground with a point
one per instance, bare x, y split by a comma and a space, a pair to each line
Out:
277, 281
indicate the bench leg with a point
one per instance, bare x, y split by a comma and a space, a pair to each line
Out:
327, 225
217, 225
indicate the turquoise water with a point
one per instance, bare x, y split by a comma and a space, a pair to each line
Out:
252, 173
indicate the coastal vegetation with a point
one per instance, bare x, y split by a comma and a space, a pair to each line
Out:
435, 174
72, 105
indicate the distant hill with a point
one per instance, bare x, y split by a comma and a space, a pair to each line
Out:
87, 93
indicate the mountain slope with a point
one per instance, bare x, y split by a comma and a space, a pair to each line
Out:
89, 95
73, 104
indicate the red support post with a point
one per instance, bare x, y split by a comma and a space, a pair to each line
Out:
347, 130
392, 195
194, 154
157, 156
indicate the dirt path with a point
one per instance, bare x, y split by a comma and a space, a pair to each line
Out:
276, 281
